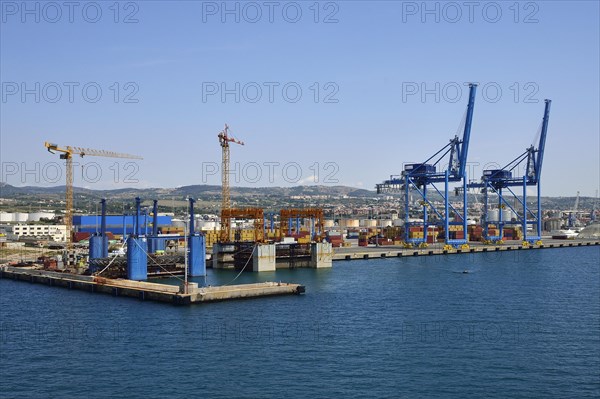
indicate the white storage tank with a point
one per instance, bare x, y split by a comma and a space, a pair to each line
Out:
36, 216
20, 217
493, 215
207, 224
507, 215
7, 217
384, 223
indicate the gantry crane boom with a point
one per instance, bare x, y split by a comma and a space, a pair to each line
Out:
224, 140
67, 154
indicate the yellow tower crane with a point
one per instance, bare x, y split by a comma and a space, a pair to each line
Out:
224, 140
67, 154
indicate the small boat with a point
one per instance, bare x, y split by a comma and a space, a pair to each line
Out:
564, 234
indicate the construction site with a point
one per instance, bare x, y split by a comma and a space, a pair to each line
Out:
434, 218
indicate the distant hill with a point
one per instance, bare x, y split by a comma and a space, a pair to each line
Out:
9, 191
213, 192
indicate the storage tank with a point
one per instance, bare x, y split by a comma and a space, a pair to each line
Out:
6, 217
398, 222
352, 223
206, 224
328, 223
384, 223
493, 215
36, 216
507, 215
20, 217
368, 223
552, 224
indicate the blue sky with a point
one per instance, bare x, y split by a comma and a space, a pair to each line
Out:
161, 68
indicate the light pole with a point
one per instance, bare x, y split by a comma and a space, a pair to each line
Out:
185, 252
377, 229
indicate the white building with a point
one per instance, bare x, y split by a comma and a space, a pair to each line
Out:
56, 232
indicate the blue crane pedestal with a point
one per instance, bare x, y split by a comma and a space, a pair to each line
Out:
97, 247
137, 260
197, 256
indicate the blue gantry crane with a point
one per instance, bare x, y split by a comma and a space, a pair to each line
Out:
500, 181
421, 177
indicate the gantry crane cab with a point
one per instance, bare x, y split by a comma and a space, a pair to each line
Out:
419, 169
394, 184
497, 174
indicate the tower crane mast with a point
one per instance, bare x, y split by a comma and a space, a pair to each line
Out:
224, 140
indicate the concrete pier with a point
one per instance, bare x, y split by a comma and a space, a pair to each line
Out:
150, 291
321, 255
353, 253
212, 294
264, 258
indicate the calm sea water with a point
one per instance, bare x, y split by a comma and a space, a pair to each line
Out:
520, 324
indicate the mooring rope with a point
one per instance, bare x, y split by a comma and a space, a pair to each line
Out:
153, 260
109, 263
244, 268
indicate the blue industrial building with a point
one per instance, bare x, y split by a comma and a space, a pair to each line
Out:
117, 224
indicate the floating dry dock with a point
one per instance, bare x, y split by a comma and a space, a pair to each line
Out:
150, 291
